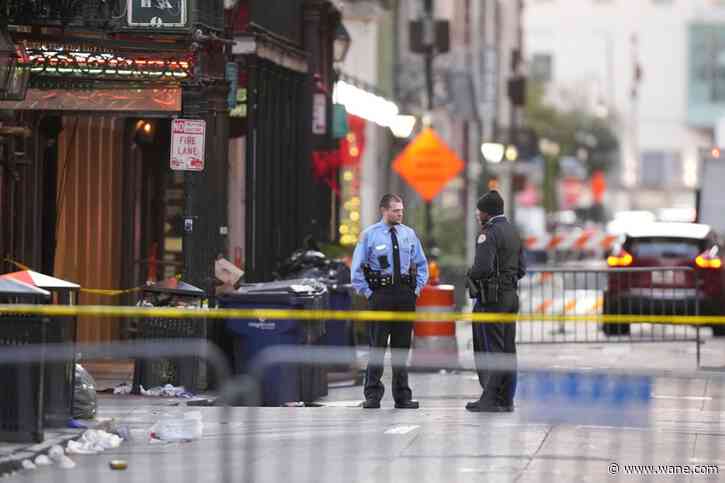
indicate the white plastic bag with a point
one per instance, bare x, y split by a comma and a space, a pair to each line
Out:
178, 427
94, 441
43, 460
57, 454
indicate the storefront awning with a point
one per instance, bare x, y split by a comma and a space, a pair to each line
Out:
161, 99
40, 280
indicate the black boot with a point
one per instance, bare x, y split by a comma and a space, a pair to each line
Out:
488, 407
371, 404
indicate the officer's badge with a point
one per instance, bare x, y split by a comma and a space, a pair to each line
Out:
481, 238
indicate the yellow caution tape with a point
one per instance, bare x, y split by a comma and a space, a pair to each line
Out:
114, 292
109, 292
361, 315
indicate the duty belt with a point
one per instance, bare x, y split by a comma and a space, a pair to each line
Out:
377, 280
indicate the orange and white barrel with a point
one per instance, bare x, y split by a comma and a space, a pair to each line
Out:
435, 345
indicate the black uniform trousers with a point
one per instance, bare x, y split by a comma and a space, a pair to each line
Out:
397, 298
499, 387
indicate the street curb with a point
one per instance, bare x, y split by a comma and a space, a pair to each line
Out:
11, 464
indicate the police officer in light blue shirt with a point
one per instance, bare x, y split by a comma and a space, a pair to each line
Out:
389, 268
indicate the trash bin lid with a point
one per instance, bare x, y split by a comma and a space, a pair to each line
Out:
304, 286
9, 286
40, 280
175, 286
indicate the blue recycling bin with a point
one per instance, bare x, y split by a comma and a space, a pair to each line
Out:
280, 383
339, 332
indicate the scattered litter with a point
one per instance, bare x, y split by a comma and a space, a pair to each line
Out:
58, 455
28, 465
167, 391
56, 452
118, 464
122, 389
85, 400
75, 447
121, 430
94, 441
42, 460
178, 427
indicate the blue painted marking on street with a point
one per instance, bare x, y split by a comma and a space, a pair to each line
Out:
577, 398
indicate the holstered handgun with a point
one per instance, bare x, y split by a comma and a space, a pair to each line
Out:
367, 272
413, 273
474, 290
490, 290
486, 291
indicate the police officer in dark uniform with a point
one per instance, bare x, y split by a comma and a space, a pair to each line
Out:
493, 280
389, 268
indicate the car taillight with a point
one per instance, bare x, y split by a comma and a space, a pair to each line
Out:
622, 259
709, 259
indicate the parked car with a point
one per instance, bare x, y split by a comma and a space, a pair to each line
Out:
696, 252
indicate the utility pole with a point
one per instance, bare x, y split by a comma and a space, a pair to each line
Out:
429, 37
517, 99
429, 41
631, 171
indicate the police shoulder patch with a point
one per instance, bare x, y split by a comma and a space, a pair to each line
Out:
481, 238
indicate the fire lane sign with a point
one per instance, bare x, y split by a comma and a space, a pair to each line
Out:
187, 144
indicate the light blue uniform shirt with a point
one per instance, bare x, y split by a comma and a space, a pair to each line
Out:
377, 241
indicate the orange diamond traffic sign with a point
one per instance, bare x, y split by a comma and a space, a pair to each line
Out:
427, 164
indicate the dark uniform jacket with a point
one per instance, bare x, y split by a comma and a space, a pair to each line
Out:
499, 238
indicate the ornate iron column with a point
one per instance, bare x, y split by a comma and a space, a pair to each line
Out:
205, 192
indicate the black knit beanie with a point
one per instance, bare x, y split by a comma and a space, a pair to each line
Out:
491, 203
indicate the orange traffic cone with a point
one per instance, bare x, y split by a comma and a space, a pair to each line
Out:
435, 345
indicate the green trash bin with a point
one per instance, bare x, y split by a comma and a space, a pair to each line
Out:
59, 375
189, 372
21, 400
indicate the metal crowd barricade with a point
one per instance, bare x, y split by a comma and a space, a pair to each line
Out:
660, 292
569, 425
